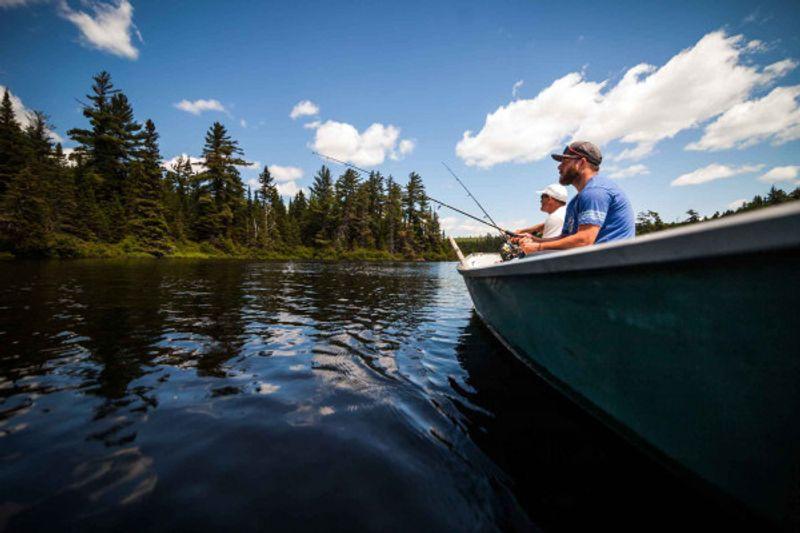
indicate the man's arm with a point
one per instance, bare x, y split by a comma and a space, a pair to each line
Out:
533, 229
586, 235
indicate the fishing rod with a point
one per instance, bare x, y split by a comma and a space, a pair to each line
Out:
495, 226
492, 224
469, 193
342, 162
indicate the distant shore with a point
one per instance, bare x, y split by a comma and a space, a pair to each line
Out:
65, 249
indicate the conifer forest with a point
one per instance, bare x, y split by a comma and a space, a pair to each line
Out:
112, 196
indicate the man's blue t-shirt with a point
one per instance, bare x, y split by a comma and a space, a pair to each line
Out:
601, 203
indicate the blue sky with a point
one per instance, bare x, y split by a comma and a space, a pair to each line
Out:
694, 107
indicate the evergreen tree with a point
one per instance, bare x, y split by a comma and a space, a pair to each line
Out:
319, 224
11, 156
394, 230
64, 196
221, 155
147, 219
345, 213
415, 206
296, 216
24, 214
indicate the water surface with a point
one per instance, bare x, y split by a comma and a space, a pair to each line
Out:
164, 395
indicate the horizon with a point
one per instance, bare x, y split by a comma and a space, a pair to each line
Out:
697, 109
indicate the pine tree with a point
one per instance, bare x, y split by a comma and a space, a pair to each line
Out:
415, 204
111, 144
345, 213
296, 215
147, 219
64, 196
24, 214
319, 223
394, 231
226, 218
11, 141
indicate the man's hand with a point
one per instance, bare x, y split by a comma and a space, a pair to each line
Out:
520, 236
528, 245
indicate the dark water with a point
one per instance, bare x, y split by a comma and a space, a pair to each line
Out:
169, 395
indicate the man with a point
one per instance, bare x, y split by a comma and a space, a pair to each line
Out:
553, 202
599, 213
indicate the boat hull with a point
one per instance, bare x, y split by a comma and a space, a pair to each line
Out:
697, 358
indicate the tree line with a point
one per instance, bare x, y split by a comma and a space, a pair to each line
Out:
650, 221
113, 196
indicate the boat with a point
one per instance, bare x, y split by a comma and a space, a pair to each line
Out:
686, 341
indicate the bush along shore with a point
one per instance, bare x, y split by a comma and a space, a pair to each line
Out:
112, 197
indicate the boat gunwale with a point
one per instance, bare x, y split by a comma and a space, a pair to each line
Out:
771, 228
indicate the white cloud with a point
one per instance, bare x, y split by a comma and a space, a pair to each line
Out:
199, 106
776, 116
287, 188
109, 29
282, 174
243, 123
372, 147
736, 204
304, 109
528, 130
312, 125
647, 105
24, 115
68, 152
197, 162
517, 86
788, 173
781, 68
633, 170
461, 227
405, 147
713, 172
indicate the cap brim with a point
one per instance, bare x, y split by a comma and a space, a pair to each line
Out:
561, 157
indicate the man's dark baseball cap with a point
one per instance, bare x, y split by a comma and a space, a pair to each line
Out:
580, 149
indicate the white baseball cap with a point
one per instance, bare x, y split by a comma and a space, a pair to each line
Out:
554, 190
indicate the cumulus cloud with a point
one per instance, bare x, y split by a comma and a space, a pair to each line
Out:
633, 170
647, 105
778, 174
305, 108
109, 29
199, 106
282, 174
372, 147
312, 125
736, 204
776, 116
462, 227
713, 172
288, 188
197, 162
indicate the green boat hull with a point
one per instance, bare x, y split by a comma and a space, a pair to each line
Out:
698, 359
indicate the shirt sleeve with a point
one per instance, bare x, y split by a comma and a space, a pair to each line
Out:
593, 207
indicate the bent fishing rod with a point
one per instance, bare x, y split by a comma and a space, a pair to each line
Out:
490, 224
469, 193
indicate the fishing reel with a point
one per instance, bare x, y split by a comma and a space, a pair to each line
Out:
510, 251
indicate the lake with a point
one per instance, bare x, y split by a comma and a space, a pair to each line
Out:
161, 395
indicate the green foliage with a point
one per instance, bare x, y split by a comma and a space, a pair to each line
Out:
650, 221
112, 198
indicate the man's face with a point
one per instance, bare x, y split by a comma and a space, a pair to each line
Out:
546, 204
569, 171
